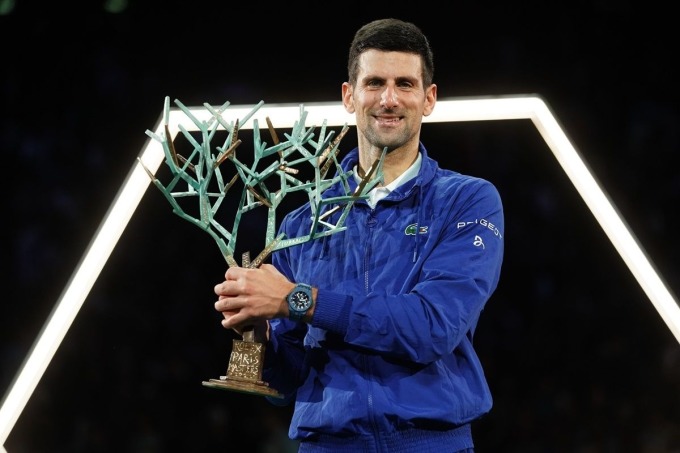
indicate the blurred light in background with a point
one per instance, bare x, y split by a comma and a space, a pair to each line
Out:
6, 6
115, 6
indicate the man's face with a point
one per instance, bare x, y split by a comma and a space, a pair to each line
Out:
389, 99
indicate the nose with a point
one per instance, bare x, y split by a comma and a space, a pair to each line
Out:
389, 99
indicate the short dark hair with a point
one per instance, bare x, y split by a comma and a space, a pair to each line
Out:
391, 35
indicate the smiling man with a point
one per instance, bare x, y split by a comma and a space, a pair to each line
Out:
370, 332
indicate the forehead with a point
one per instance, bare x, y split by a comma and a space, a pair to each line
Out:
386, 65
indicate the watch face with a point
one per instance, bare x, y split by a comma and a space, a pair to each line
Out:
300, 301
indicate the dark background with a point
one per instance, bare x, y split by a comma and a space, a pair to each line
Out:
577, 357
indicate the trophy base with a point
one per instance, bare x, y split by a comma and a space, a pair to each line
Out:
257, 388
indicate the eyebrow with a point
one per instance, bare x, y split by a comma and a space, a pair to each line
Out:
400, 79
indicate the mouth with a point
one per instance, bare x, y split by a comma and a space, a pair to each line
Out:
390, 120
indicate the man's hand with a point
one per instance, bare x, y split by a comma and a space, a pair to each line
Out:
250, 297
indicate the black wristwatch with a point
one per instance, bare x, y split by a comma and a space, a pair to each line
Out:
299, 301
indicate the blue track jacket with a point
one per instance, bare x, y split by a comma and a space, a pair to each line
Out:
387, 363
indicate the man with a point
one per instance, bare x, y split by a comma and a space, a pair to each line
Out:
370, 331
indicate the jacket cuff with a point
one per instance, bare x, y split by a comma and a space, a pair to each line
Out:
331, 311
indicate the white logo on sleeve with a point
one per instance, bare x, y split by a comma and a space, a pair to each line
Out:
478, 242
483, 223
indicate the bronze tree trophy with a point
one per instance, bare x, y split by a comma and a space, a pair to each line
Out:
264, 179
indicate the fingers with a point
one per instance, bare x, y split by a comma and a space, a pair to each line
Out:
229, 323
234, 310
238, 321
228, 288
230, 304
239, 280
231, 314
235, 272
251, 295
221, 290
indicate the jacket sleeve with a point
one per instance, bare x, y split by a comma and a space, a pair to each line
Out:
284, 353
451, 283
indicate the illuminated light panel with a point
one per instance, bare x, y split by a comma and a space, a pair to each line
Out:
284, 116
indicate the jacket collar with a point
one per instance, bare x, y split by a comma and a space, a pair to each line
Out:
428, 167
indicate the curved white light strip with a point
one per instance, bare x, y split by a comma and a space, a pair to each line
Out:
284, 116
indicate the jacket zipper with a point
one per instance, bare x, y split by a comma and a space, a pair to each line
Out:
371, 222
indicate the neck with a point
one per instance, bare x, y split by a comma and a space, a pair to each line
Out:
396, 162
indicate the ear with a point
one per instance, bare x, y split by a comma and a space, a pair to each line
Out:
430, 99
347, 97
